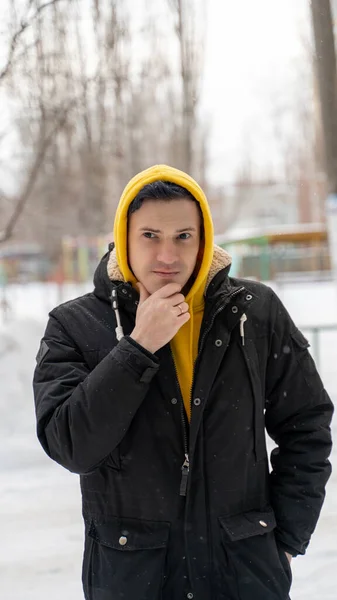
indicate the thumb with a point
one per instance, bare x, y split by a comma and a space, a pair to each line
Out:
143, 293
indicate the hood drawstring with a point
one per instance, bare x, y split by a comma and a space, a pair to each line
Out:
114, 304
243, 319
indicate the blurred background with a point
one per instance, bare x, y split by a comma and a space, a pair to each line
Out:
243, 96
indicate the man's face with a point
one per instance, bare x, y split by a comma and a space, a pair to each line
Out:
163, 242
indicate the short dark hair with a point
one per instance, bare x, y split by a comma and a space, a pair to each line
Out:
160, 190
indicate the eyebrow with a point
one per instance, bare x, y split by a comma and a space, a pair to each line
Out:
159, 231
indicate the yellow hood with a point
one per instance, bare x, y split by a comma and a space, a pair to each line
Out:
164, 173
184, 345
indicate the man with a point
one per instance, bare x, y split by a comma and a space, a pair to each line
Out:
156, 388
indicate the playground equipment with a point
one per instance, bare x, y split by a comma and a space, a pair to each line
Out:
80, 256
286, 251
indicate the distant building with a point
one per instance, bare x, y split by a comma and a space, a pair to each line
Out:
260, 205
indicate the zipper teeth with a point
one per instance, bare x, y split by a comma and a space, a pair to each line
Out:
183, 420
191, 390
184, 426
185, 468
181, 407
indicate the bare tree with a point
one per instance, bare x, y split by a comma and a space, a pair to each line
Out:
17, 47
91, 110
25, 22
189, 28
33, 173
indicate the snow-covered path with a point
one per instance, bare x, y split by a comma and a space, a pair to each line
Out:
42, 533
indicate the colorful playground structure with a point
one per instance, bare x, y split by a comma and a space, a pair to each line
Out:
77, 261
280, 252
80, 257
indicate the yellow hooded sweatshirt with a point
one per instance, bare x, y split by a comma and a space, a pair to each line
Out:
185, 343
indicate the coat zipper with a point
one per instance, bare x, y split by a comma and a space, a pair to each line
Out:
186, 464
185, 469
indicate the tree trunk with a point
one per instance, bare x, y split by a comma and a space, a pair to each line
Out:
327, 83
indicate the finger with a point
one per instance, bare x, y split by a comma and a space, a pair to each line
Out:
143, 293
184, 318
176, 299
167, 290
181, 309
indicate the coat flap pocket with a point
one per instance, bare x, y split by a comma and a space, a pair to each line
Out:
248, 524
130, 534
299, 339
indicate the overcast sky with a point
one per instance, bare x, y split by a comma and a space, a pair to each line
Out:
252, 55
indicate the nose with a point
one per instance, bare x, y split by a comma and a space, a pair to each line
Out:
167, 253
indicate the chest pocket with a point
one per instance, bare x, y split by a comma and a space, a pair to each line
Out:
251, 360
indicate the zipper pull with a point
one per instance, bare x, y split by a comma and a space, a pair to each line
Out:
243, 319
184, 477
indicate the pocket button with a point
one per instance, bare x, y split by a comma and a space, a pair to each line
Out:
263, 524
123, 540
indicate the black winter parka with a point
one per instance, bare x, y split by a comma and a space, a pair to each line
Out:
113, 413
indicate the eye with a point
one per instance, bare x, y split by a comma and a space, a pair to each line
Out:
184, 236
149, 235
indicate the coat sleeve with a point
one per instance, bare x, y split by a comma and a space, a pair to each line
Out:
83, 415
298, 416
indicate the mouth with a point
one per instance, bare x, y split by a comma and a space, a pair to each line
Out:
166, 273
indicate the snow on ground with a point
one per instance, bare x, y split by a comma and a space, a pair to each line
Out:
42, 533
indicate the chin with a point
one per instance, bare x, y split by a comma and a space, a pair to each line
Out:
153, 284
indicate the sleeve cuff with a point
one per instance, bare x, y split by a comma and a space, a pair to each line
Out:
136, 359
153, 357
286, 548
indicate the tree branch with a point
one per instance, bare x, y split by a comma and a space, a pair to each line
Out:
33, 175
17, 35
